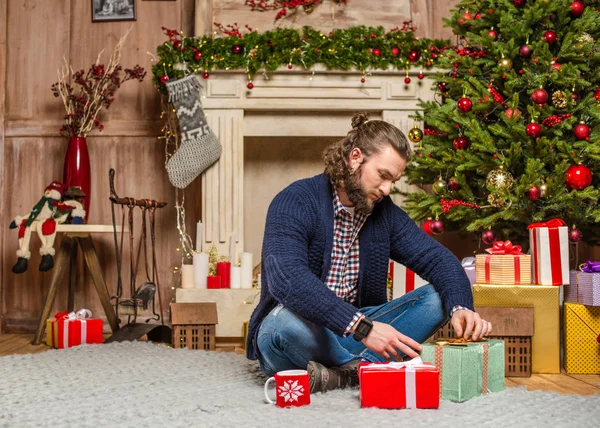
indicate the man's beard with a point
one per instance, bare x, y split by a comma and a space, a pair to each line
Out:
355, 191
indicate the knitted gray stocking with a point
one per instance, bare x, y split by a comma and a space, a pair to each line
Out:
200, 147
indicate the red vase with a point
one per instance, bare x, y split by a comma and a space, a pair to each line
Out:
76, 171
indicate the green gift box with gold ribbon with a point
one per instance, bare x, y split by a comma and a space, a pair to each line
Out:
467, 369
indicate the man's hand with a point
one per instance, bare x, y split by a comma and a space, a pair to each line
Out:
468, 324
386, 341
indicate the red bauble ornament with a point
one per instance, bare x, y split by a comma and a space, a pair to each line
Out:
488, 237
512, 113
465, 104
519, 3
533, 129
236, 49
597, 95
421, 76
427, 226
362, 80
197, 55
395, 51
578, 177
407, 80
493, 34
453, 185
581, 131
461, 143
376, 51
414, 55
290, 66
575, 235
577, 8
443, 87
525, 51
250, 85
555, 66
178, 45
533, 193
437, 227
206, 75
539, 96
550, 37
164, 78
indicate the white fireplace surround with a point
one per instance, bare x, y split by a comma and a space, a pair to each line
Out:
294, 103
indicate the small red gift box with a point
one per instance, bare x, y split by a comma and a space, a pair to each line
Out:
73, 329
399, 385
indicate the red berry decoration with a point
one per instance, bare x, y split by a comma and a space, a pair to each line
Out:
376, 51
395, 51
577, 8
206, 75
519, 3
453, 185
488, 237
236, 49
443, 87
539, 96
582, 131
493, 34
414, 56
525, 51
197, 55
437, 227
533, 130
164, 78
533, 193
178, 45
427, 226
550, 37
421, 76
250, 85
575, 235
407, 80
578, 177
461, 143
465, 104
597, 95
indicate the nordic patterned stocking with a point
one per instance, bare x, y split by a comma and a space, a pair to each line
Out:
200, 147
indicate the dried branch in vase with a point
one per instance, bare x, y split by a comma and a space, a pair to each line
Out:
96, 91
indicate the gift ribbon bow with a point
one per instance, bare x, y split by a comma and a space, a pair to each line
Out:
590, 267
555, 222
81, 315
505, 247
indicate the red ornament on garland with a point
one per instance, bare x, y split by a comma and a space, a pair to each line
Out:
555, 66
577, 8
533, 129
178, 46
377, 52
488, 237
575, 235
519, 3
582, 131
164, 78
533, 193
395, 51
421, 76
236, 49
290, 66
512, 113
206, 75
427, 226
443, 87
250, 85
453, 185
197, 55
407, 80
539, 96
493, 34
437, 227
465, 104
525, 51
461, 143
414, 55
550, 37
578, 177
597, 95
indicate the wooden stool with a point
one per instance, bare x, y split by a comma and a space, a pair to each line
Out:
74, 235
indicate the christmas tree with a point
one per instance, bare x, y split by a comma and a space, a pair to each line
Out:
514, 134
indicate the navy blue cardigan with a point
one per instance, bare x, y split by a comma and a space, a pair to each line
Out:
296, 257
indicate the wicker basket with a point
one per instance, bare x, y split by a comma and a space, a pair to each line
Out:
515, 327
194, 325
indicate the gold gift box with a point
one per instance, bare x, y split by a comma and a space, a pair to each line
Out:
545, 343
502, 269
582, 327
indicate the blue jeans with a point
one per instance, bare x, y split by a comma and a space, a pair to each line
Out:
287, 341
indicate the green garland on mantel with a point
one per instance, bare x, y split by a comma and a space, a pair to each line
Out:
361, 48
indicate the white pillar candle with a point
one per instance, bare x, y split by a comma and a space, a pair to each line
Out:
247, 267
187, 276
200, 270
236, 277
199, 236
233, 250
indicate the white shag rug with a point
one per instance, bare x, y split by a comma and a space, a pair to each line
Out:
135, 384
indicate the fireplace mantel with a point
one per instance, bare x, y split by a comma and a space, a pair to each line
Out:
294, 103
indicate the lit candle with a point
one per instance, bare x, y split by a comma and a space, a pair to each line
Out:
200, 270
233, 249
187, 276
236, 277
199, 236
246, 275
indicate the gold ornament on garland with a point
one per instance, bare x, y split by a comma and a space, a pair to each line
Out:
253, 53
559, 99
543, 190
415, 134
439, 186
499, 179
505, 63
496, 200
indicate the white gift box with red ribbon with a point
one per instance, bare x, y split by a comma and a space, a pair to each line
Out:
549, 245
404, 280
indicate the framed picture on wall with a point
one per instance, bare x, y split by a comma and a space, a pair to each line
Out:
113, 10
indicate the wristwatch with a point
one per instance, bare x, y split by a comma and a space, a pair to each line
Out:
363, 329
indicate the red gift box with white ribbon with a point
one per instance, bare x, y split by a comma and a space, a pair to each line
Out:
399, 385
70, 329
549, 245
404, 280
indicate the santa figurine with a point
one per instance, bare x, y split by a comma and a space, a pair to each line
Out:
43, 218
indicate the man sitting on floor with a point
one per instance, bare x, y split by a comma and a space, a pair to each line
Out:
326, 250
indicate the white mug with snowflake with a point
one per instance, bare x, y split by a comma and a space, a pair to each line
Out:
292, 388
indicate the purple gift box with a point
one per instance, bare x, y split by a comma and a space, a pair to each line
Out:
468, 264
583, 288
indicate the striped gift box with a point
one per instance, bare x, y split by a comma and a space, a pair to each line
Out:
503, 269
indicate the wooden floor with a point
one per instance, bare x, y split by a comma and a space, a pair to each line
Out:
11, 344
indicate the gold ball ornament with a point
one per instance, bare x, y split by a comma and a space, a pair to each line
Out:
559, 99
499, 179
496, 200
505, 63
253, 53
439, 186
415, 134
543, 190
